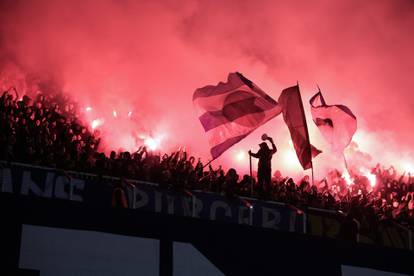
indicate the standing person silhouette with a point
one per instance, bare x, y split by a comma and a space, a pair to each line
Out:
265, 164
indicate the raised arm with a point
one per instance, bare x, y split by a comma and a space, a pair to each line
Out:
274, 149
402, 177
4, 94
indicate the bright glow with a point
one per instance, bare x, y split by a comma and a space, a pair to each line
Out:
372, 178
363, 140
290, 159
151, 143
95, 123
409, 168
88, 108
114, 114
129, 113
347, 177
241, 156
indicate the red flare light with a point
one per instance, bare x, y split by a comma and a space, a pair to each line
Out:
372, 178
151, 143
241, 156
95, 123
347, 178
408, 167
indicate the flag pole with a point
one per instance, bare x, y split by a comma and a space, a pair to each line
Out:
311, 161
346, 163
251, 175
208, 163
313, 178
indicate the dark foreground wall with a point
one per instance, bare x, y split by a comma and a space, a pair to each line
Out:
234, 249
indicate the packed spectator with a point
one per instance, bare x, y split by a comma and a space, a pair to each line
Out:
46, 131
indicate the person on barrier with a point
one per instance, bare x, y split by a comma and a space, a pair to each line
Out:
349, 228
265, 164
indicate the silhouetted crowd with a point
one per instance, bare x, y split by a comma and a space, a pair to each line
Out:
47, 131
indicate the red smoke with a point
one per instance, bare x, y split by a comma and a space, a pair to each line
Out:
147, 57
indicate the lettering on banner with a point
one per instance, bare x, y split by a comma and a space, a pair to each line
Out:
158, 202
198, 207
270, 218
54, 186
191, 206
186, 205
141, 198
244, 215
62, 187
6, 181
51, 184
219, 205
76, 185
292, 221
28, 185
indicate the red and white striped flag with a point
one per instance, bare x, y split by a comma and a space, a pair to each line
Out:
230, 111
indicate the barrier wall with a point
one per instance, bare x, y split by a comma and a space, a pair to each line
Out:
91, 189
96, 190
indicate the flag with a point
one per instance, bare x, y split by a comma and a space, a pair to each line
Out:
295, 119
230, 111
337, 123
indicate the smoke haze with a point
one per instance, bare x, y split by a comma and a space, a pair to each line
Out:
148, 57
